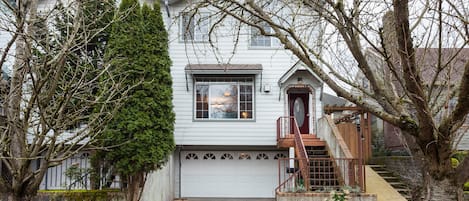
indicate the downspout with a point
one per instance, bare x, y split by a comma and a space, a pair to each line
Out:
166, 6
180, 165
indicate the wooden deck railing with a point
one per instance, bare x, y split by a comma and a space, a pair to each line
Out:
293, 180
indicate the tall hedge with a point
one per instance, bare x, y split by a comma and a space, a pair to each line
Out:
143, 128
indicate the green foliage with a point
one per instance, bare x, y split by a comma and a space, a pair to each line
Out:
459, 155
466, 186
77, 175
341, 195
144, 125
81, 195
454, 162
457, 158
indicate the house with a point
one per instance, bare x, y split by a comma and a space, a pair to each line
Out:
235, 108
3, 88
454, 59
249, 116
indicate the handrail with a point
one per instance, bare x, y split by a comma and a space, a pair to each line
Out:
289, 126
301, 151
278, 128
288, 180
328, 131
350, 172
283, 127
292, 180
343, 150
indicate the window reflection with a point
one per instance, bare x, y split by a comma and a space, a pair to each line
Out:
224, 101
224, 98
202, 101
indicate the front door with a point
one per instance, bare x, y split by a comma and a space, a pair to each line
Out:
298, 104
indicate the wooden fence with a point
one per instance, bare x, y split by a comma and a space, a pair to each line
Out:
351, 137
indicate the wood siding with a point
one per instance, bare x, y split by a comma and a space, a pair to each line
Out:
268, 106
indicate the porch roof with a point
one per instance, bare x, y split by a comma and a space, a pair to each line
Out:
297, 67
223, 68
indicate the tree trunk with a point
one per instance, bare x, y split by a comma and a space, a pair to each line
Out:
13, 197
441, 190
135, 186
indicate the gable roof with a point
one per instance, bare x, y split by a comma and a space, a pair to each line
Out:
296, 67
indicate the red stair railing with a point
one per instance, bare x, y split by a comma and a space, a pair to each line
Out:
283, 124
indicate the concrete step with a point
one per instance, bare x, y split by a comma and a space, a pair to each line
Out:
382, 172
390, 178
395, 182
376, 166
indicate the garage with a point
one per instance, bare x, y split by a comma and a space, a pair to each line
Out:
230, 174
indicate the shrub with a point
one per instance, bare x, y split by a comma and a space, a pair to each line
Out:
454, 162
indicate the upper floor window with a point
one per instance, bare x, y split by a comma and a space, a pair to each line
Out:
194, 26
259, 40
224, 98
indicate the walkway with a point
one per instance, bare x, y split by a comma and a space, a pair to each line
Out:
377, 185
230, 199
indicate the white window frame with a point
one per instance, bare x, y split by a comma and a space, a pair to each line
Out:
212, 81
199, 26
256, 35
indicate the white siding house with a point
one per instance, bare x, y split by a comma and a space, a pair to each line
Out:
227, 100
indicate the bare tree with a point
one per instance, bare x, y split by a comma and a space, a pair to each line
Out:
61, 92
427, 101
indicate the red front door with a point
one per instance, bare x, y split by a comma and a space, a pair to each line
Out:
298, 104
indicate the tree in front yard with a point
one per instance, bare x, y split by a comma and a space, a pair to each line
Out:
51, 93
144, 125
428, 102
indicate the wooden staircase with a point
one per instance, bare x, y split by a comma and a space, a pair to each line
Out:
308, 140
315, 167
322, 171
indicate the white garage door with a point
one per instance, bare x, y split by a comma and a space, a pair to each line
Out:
229, 173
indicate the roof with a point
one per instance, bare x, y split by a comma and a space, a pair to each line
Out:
223, 68
331, 100
296, 67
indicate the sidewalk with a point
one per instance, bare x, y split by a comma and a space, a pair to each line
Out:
377, 185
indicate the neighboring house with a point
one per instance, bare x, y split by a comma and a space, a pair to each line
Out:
427, 58
3, 89
228, 108
60, 176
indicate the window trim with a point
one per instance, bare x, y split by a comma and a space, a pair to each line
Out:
196, 18
274, 42
211, 76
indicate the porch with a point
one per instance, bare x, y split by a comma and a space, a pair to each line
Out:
322, 162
